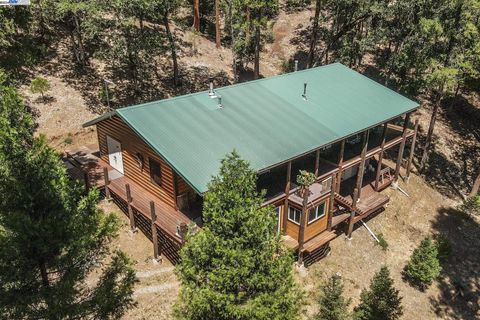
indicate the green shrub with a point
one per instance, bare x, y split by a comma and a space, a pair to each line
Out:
424, 265
382, 301
471, 205
68, 139
332, 304
40, 85
382, 242
296, 5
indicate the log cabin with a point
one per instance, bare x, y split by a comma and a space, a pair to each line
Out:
156, 159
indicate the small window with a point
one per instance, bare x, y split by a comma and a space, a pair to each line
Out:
316, 212
155, 172
294, 215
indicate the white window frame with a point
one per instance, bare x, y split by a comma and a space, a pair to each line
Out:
317, 216
278, 211
295, 211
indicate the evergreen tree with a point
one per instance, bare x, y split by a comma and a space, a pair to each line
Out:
382, 301
236, 267
332, 304
424, 265
52, 235
40, 85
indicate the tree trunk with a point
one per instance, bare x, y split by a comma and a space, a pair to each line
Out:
232, 33
256, 68
196, 15
428, 140
313, 39
78, 33
171, 39
218, 35
476, 186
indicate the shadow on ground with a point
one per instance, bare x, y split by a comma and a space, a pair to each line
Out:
459, 283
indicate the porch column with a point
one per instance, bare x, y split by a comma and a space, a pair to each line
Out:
380, 155
402, 148
131, 216
175, 190
303, 219
107, 182
352, 215
332, 201
361, 168
153, 216
317, 162
412, 151
340, 164
287, 192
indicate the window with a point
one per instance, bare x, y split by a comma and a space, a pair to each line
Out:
316, 212
294, 215
155, 172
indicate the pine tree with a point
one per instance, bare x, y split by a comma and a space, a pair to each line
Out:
382, 301
52, 235
40, 85
332, 304
424, 266
236, 267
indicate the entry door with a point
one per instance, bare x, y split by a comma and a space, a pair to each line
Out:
115, 154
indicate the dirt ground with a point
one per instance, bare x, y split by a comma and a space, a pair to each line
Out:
404, 223
429, 209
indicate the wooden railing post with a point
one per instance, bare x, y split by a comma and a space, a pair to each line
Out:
301, 232
287, 193
107, 182
317, 162
332, 201
340, 165
361, 167
412, 152
133, 228
352, 214
402, 148
154, 230
380, 155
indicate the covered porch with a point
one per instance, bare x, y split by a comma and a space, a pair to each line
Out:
141, 206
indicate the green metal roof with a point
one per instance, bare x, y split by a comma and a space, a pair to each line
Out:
267, 121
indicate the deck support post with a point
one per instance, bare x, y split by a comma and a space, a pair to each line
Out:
107, 182
317, 162
153, 216
303, 218
352, 215
87, 182
380, 155
133, 228
412, 152
332, 201
340, 165
402, 148
361, 168
287, 193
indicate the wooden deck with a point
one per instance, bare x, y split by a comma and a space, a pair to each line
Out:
168, 218
369, 202
312, 244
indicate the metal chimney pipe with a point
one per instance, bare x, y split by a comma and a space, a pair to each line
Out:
211, 92
304, 95
296, 65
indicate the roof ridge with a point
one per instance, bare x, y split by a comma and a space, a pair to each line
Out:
229, 86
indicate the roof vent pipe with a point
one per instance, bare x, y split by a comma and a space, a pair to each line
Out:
296, 65
219, 99
304, 95
211, 92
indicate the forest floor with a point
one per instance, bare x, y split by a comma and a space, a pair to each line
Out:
73, 100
